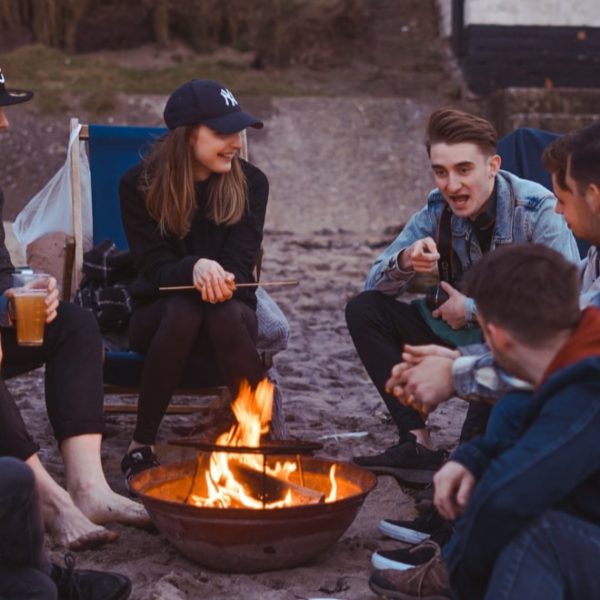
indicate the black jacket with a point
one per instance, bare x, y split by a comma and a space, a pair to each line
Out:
169, 261
6, 266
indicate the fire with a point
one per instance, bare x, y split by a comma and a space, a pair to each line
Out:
226, 480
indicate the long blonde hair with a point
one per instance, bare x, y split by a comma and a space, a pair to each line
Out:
168, 186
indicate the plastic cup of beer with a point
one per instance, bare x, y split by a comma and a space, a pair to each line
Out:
29, 295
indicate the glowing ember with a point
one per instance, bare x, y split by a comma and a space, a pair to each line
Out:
227, 480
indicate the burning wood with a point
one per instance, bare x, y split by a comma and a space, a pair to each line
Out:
271, 489
243, 480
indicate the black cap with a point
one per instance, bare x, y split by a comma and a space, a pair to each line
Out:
8, 97
206, 102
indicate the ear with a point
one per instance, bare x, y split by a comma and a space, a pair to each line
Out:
499, 336
593, 198
494, 162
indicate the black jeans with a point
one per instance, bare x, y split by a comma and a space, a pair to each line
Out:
24, 565
72, 352
380, 326
180, 329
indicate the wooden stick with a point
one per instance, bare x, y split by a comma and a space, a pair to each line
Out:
290, 282
172, 409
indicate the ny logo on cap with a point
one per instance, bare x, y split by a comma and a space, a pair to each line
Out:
229, 98
1, 76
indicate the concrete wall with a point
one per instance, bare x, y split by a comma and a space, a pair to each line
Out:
445, 15
530, 12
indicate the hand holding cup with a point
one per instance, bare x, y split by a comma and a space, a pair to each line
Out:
34, 298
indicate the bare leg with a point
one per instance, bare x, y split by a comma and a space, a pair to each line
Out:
62, 519
89, 489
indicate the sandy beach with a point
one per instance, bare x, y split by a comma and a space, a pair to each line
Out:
345, 174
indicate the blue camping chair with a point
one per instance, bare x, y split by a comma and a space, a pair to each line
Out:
112, 150
521, 153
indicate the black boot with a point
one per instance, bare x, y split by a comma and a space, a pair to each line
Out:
88, 585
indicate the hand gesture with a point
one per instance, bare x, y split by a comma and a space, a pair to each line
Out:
422, 256
424, 385
415, 354
453, 485
212, 281
453, 310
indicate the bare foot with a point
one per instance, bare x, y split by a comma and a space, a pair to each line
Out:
62, 519
106, 506
72, 529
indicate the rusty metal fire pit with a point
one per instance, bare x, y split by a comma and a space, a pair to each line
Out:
246, 540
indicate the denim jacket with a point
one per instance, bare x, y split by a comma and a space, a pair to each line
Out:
524, 213
540, 452
476, 376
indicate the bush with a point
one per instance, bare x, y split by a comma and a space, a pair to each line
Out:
277, 31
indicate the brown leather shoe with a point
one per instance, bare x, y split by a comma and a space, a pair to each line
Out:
428, 581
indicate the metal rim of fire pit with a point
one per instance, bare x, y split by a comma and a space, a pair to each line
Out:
245, 540
269, 448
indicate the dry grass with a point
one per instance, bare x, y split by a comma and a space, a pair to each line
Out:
55, 75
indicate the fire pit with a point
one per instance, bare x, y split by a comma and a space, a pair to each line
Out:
242, 507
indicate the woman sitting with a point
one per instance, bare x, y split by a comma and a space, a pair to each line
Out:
193, 213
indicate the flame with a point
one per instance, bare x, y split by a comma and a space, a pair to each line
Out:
215, 484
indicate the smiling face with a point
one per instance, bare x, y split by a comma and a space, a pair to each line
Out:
465, 176
213, 152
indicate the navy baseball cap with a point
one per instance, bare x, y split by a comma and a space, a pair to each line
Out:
206, 102
8, 97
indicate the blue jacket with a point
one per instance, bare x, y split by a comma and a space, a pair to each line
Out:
524, 213
540, 452
476, 376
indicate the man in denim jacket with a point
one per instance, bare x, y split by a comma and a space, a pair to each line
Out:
484, 208
470, 372
525, 497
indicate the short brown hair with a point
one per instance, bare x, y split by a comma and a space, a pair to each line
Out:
584, 156
555, 159
530, 289
451, 126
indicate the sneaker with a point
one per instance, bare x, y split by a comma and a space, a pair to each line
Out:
428, 581
410, 463
402, 558
136, 461
428, 526
88, 585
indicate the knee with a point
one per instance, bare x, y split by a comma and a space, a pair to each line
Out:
77, 323
181, 317
16, 475
231, 316
361, 309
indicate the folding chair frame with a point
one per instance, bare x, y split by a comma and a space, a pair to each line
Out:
73, 272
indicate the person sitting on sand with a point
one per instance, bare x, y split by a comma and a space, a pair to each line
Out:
193, 213
430, 374
25, 569
476, 208
72, 353
525, 497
